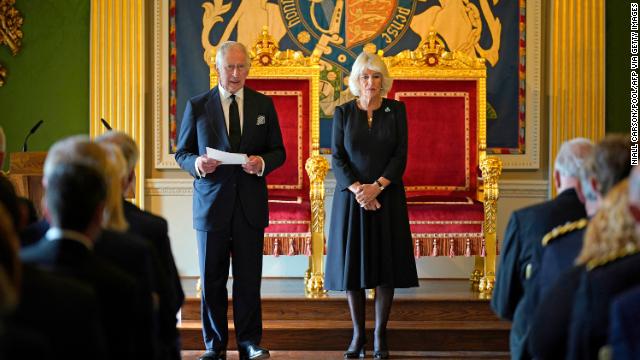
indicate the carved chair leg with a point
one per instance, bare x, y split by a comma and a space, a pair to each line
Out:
478, 272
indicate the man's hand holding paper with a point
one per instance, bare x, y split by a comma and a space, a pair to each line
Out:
206, 165
253, 165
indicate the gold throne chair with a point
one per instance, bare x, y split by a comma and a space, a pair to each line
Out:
296, 198
451, 183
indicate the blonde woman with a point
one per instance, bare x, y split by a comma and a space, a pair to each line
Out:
612, 259
115, 169
369, 244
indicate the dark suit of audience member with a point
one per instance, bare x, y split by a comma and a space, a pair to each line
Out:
590, 316
624, 332
136, 257
550, 323
560, 253
17, 341
155, 230
63, 311
74, 197
67, 327
33, 233
514, 292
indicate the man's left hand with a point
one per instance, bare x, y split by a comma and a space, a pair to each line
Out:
253, 165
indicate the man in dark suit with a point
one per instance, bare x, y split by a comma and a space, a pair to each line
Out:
230, 202
515, 288
609, 163
128, 252
155, 230
69, 326
624, 332
74, 203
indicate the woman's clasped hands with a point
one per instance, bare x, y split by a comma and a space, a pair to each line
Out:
366, 195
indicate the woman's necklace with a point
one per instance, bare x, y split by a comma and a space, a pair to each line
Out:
369, 118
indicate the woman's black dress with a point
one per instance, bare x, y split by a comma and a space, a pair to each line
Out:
369, 248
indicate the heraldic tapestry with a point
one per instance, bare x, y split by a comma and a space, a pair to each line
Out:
339, 30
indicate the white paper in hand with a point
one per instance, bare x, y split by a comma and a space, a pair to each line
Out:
227, 158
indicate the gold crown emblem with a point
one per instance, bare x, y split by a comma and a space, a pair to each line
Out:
265, 48
432, 48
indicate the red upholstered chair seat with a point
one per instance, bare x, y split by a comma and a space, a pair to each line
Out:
289, 230
446, 225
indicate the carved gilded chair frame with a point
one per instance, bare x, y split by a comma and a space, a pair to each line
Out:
430, 62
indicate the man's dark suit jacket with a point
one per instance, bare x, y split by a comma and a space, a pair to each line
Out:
204, 126
558, 257
624, 332
514, 292
549, 332
136, 257
63, 312
590, 316
154, 229
114, 289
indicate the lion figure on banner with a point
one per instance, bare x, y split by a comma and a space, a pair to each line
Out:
249, 18
459, 22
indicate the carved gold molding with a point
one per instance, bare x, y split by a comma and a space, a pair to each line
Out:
10, 31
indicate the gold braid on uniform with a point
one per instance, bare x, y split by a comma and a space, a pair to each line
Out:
629, 249
564, 229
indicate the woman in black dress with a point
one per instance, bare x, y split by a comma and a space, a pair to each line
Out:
369, 243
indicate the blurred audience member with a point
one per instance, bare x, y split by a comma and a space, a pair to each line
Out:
74, 206
612, 261
67, 327
624, 333
609, 163
154, 229
558, 278
514, 296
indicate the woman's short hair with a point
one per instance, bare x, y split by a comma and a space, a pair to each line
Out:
612, 229
372, 62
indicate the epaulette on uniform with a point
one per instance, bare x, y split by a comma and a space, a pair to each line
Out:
629, 249
564, 229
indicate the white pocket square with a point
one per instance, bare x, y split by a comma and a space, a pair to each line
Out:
261, 120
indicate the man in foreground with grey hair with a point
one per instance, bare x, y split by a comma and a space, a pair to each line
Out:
515, 288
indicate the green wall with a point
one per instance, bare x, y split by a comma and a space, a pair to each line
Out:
49, 78
617, 78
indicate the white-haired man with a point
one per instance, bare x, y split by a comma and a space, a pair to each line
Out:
230, 209
515, 289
